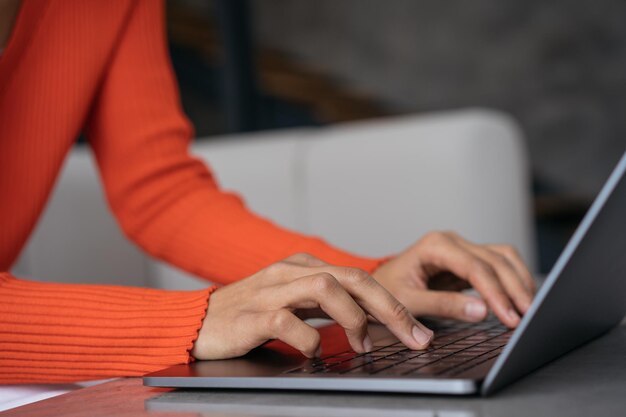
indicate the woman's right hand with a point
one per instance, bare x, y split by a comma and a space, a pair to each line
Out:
272, 304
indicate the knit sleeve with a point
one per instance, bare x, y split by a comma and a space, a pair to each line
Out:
168, 202
71, 332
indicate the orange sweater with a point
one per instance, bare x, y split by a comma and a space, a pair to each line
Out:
102, 66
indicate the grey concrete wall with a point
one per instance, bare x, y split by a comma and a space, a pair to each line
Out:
558, 66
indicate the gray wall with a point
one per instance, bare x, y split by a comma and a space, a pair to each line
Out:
558, 66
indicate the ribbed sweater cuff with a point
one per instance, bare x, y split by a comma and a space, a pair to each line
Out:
68, 332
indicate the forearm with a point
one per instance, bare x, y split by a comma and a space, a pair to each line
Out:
165, 200
68, 332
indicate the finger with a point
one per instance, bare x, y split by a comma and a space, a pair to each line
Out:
513, 256
376, 300
285, 326
447, 304
324, 291
508, 276
383, 306
446, 254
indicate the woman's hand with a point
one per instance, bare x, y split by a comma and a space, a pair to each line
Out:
444, 261
272, 303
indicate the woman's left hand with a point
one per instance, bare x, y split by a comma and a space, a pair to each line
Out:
427, 277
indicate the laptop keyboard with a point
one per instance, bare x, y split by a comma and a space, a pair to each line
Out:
457, 348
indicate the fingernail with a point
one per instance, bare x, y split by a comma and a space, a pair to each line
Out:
475, 310
513, 316
420, 336
367, 344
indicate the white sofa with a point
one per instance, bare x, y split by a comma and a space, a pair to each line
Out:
371, 187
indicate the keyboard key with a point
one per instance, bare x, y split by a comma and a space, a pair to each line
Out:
455, 350
371, 368
431, 369
398, 370
349, 365
402, 356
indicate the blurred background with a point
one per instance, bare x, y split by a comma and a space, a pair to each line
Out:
558, 67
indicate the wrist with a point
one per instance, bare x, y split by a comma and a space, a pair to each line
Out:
197, 339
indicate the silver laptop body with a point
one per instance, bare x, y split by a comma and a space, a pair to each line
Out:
583, 297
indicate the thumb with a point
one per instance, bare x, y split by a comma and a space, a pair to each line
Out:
446, 304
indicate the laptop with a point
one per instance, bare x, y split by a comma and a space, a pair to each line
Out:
583, 297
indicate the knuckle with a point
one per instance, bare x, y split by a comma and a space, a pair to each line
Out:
323, 283
280, 321
506, 250
479, 268
510, 251
450, 234
436, 238
431, 237
301, 256
500, 259
306, 256
399, 312
276, 268
357, 276
311, 260
291, 258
